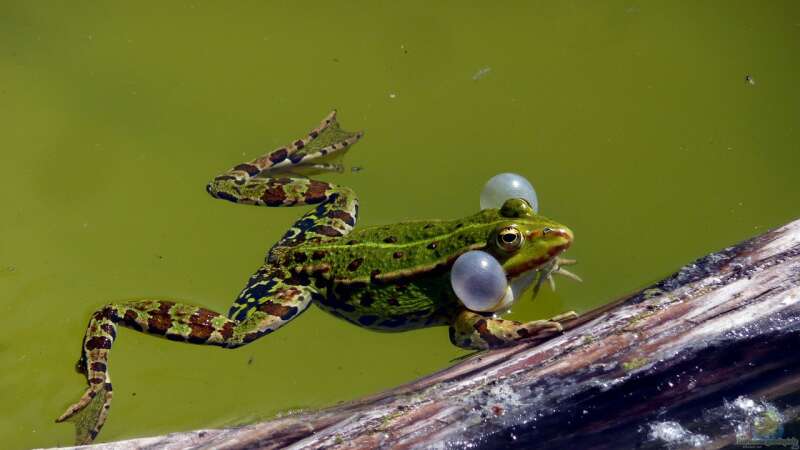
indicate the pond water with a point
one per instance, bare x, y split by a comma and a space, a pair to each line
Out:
634, 121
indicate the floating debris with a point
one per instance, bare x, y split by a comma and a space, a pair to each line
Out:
482, 72
356, 169
748, 79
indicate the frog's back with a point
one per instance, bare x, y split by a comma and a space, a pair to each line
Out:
393, 277
390, 251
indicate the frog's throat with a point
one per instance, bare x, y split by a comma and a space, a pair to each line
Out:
533, 264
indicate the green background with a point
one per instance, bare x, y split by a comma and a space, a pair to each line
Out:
632, 119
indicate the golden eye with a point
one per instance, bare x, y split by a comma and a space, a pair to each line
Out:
509, 239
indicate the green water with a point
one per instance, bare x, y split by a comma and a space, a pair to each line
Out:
632, 119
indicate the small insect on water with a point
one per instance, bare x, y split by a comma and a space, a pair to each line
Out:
748, 80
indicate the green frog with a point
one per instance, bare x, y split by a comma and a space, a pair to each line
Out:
388, 278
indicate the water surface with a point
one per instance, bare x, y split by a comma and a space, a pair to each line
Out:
632, 119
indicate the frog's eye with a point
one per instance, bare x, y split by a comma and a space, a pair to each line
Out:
509, 239
546, 230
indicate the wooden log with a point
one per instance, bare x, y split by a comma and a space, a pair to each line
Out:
705, 356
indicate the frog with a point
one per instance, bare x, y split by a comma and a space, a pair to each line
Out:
385, 278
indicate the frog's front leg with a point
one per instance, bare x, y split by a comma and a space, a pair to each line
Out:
477, 332
266, 304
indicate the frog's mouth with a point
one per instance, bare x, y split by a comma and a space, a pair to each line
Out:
521, 276
532, 265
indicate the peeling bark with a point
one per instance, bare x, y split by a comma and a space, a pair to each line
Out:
682, 351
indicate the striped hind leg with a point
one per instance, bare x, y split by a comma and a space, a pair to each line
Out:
265, 182
267, 307
237, 184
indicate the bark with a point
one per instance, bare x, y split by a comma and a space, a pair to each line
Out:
705, 356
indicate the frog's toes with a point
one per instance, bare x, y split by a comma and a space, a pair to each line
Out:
546, 328
564, 317
540, 329
73, 409
78, 406
555, 266
558, 268
564, 272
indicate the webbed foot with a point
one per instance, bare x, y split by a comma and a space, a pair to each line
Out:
89, 413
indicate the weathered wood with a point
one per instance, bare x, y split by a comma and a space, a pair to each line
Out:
683, 350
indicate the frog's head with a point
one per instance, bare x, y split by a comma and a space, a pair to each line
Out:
525, 241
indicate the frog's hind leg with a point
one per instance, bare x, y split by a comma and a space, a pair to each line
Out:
93, 363
273, 296
266, 304
247, 182
334, 218
265, 181
474, 331
335, 215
